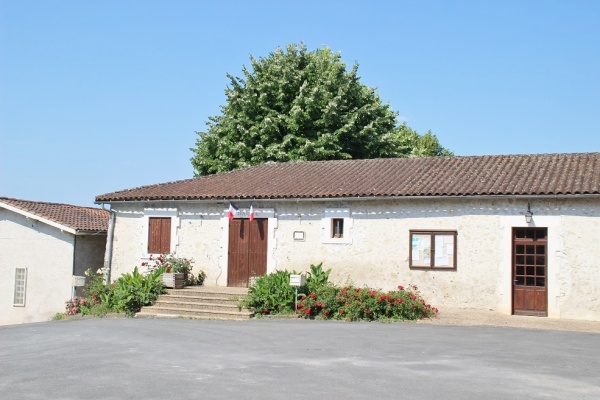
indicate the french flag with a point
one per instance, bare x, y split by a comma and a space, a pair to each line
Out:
251, 216
232, 211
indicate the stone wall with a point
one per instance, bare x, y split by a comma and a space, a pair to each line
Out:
375, 249
89, 253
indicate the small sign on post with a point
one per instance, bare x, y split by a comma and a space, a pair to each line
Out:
297, 280
78, 281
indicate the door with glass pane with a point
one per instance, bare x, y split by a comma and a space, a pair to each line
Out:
529, 266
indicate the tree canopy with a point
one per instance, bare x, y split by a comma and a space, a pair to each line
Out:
301, 105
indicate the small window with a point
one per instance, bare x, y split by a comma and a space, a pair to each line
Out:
159, 235
433, 249
337, 227
20, 284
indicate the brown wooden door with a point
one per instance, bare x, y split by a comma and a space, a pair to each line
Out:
247, 250
159, 235
530, 265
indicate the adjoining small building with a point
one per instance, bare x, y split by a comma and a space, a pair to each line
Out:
42, 246
516, 233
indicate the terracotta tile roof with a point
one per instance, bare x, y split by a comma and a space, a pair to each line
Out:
74, 217
538, 174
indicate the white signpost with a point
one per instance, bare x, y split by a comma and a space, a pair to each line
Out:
77, 281
297, 280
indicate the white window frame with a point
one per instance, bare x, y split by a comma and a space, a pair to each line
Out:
327, 225
160, 212
20, 287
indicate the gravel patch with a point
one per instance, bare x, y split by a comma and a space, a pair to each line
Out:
470, 317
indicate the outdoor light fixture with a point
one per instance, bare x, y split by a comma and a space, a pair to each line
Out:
528, 214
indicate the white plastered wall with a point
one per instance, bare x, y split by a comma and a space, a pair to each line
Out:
201, 233
377, 254
47, 253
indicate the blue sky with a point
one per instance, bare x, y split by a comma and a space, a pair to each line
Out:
107, 95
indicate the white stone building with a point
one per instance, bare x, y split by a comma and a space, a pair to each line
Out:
42, 246
517, 234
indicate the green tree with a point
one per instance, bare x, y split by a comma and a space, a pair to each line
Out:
301, 105
410, 143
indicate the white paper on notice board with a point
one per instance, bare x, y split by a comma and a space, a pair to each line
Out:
441, 261
439, 243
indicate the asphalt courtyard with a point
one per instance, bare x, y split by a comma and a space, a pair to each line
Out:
293, 359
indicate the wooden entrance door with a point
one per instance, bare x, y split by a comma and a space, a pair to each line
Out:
247, 250
530, 262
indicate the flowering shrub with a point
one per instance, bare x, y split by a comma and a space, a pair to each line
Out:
96, 298
169, 263
97, 292
75, 305
127, 294
319, 298
354, 303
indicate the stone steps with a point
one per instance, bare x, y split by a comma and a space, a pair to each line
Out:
199, 302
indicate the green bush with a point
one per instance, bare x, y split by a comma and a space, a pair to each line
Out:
127, 294
97, 294
133, 291
201, 278
317, 278
319, 298
271, 294
365, 304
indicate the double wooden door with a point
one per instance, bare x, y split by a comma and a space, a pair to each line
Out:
530, 271
247, 250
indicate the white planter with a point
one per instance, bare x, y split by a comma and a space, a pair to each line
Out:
173, 280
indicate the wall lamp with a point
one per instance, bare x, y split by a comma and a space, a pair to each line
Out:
528, 214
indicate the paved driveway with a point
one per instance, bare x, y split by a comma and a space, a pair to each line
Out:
292, 359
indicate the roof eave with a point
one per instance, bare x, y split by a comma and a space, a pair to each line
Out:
349, 198
36, 217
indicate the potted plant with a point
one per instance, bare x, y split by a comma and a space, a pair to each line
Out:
175, 270
174, 280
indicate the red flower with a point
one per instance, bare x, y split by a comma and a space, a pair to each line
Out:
312, 296
400, 287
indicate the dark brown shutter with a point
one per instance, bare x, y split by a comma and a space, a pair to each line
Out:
159, 235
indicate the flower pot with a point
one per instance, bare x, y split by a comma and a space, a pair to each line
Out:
173, 280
